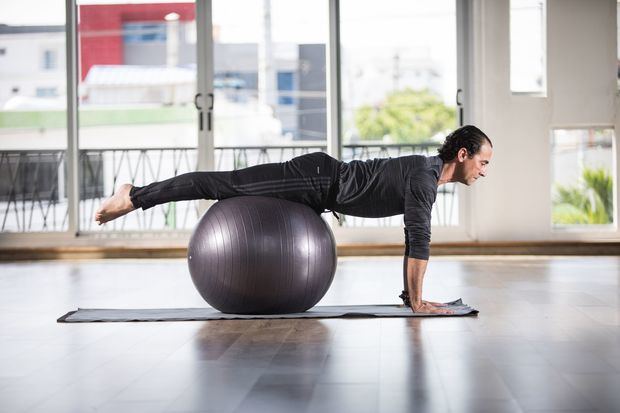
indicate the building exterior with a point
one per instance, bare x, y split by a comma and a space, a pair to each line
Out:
32, 66
119, 34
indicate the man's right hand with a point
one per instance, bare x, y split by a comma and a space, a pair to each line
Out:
426, 308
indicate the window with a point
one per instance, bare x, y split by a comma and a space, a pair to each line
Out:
582, 177
33, 133
139, 83
50, 59
285, 87
399, 81
46, 92
269, 68
144, 32
527, 46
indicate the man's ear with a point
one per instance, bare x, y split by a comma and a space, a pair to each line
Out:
462, 154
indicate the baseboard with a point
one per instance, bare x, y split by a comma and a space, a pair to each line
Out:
437, 249
493, 248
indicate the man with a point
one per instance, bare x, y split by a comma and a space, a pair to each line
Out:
373, 188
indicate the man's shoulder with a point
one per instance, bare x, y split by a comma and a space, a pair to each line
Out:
425, 174
420, 159
417, 164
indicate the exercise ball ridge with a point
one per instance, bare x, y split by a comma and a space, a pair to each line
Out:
261, 255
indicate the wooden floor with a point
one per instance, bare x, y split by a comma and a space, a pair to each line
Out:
547, 339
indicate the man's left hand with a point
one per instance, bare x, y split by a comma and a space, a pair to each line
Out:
434, 303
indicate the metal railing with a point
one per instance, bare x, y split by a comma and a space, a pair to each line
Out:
33, 184
31, 198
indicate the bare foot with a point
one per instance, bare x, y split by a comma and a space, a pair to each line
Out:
115, 206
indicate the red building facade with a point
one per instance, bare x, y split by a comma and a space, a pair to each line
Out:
101, 28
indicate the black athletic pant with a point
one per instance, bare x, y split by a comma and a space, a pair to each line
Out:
310, 179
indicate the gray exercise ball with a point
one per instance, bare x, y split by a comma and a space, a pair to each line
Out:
261, 255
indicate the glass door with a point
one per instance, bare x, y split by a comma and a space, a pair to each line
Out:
137, 120
399, 87
168, 88
269, 80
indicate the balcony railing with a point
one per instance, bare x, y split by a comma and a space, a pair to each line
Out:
33, 190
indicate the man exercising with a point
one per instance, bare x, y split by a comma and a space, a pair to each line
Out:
372, 189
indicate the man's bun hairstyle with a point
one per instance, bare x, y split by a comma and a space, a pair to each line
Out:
468, 137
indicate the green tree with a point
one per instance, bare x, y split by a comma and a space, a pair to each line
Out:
590, 201
408, 116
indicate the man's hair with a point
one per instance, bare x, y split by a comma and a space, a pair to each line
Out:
468, 137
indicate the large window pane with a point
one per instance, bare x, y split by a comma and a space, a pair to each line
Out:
137, 119
583, 177
399, 81
527, 46
269, 63
33, 135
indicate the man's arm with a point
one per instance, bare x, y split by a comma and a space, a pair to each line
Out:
419, 199
416, 269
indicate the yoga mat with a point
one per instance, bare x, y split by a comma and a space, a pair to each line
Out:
86, 315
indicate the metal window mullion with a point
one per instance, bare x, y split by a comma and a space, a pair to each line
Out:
464, 51
204, 44
333, 101
205, 73
72, 157
466, 60
334, 109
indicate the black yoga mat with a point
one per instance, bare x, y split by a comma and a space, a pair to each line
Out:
86, 315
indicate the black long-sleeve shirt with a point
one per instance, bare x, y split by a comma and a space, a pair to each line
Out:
392, 186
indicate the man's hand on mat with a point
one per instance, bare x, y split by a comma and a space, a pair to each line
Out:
426, 308
434, 303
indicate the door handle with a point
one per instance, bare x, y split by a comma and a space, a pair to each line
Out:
459, 104
201, 113
196, 97
210, 112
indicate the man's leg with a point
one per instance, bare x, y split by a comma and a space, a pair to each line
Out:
306, 179
193, 185
185, 187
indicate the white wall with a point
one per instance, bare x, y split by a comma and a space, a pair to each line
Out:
514, 201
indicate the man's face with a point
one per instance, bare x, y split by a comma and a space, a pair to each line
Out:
472, 168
